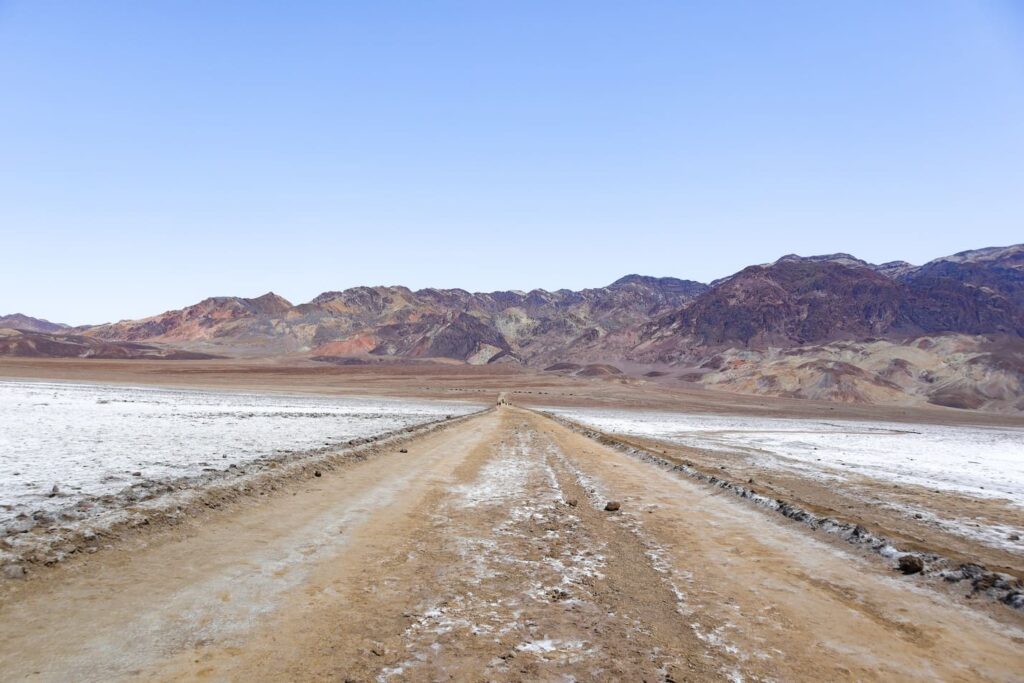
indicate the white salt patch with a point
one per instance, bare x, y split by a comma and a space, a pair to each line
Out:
550, 645
980, 461
88, 439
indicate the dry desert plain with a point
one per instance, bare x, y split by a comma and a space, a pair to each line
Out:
481, 549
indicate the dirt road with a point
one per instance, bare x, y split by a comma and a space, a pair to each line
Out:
485, 553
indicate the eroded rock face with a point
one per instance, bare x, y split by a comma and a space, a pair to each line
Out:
797, 301
794, 301
429, 323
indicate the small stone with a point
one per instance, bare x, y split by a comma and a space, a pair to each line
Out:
55, 491
136, 474
572, 502
316, 473
911, 564
14, 571
985, 582
1013, 537
972, 571
558, 595
1014, 599
403, 450
612, 506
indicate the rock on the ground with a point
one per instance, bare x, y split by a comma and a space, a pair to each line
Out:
1014, 599
911, 564
612, 506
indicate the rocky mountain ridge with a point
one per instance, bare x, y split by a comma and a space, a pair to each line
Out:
796, 300
429, 323
830, 326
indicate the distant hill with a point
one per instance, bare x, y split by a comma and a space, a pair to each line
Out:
430, 323
26, 344
797, 300
17, 321
833, 326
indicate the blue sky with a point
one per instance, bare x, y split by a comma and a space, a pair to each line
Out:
155, 153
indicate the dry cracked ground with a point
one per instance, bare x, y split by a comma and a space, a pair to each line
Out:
485, 553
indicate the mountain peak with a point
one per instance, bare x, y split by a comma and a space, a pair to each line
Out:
271, 303
840, 258
1007, 257
20, 321
664, 284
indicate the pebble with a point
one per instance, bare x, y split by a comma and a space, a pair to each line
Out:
316, 473
911, 564
612, 506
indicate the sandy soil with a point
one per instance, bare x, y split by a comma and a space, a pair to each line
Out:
915, 518
456, 381
485, 552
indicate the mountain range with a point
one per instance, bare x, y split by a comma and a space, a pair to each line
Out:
830, 327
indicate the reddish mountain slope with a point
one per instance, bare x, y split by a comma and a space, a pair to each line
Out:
832, 326
430, 323
797, 301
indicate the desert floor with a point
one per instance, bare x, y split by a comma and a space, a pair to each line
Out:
474, 383
485, 552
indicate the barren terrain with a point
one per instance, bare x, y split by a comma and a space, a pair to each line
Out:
485, 552
468, 382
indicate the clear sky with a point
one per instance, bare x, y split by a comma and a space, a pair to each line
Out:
155, 153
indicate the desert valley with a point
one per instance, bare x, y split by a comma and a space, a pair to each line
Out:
376, 342
809, 470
